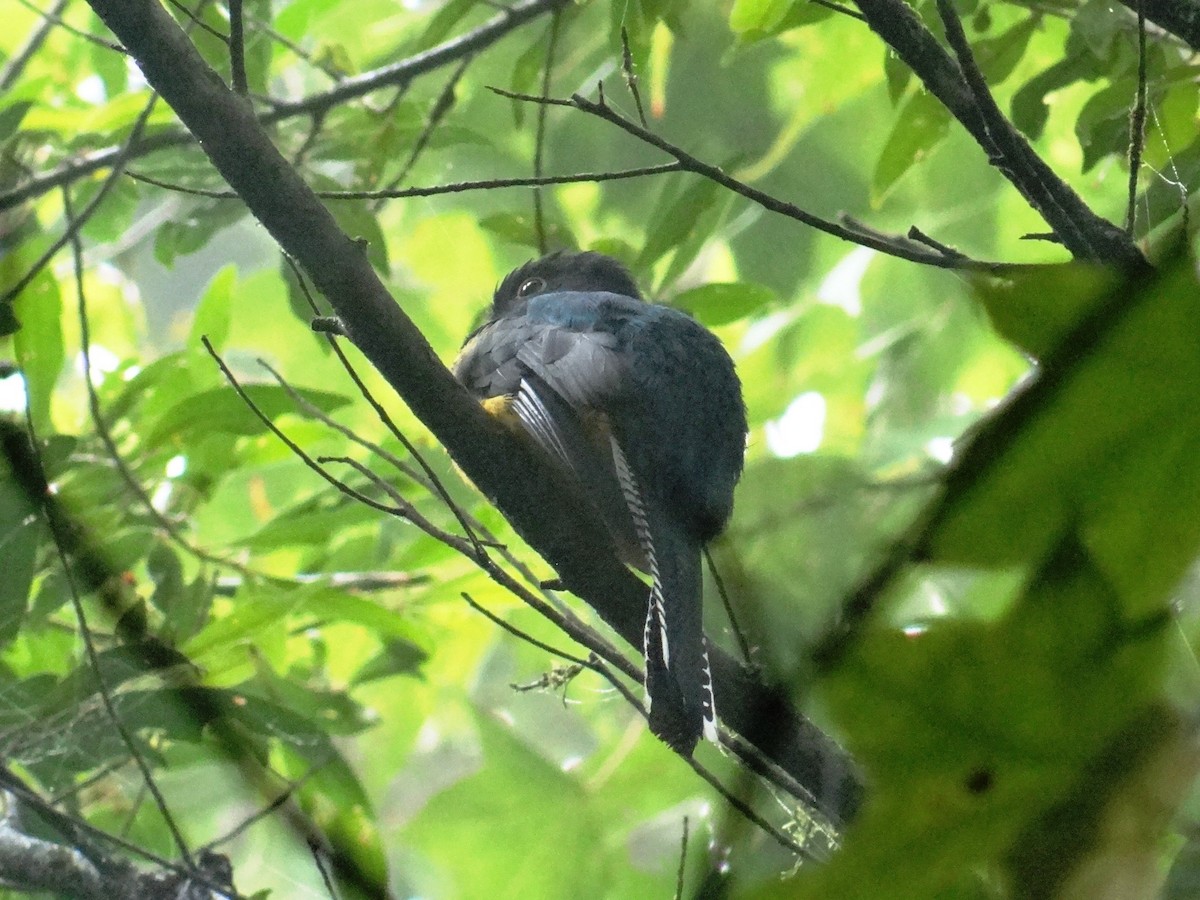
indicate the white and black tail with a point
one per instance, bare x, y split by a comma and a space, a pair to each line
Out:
679, 693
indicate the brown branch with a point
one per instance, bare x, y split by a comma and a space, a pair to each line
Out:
960, 88
1179, 17
1137, 124
457, 187
546, 510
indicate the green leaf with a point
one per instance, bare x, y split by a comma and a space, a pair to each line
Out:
977, 734
757, 15
221, 409
920, 125
544, 811
20, 536
1100, 442
39, 344
998, 56
1036, 307
719, 304
211, 318
397, 657
677, 219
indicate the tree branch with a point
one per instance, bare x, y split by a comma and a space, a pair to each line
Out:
572, 541
960, 88
892, 245
1180, 17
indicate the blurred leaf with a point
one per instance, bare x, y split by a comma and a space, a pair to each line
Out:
719, 304
193, 228
211, 318
21, 533
39, 344
1083, 448
920, 125
998, 56
1036, 308
220, 409
545, 812
676, 220
398, 657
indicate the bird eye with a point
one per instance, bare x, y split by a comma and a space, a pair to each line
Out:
531, 286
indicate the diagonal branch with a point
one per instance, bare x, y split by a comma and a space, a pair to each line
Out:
903, 248
960, 88
520, 483
1180, 17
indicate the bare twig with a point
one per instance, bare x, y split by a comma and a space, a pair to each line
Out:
434, 483
1137, 123
55, 18
631, 83
105, 434
299, 451
195, 21
539, 144
459, 187
683, 845
237, 48
84, 631
893, 246
738, 635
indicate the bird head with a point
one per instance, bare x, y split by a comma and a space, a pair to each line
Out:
563, 271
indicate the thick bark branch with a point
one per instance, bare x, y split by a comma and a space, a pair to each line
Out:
1180, 17
577, 546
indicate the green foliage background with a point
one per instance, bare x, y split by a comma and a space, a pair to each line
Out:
1018, 704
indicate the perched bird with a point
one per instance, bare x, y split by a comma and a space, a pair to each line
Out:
641, 404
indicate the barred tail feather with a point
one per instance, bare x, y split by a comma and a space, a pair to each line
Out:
678, 681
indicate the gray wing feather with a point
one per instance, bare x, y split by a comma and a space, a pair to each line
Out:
583, 367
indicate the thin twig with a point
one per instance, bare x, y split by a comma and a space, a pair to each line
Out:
1137, 123
894, 246
237, 48
444, 103
434, 482
530, 639
54, 17
738, 634
288, 442
452, 188
539, 146
105, 434
631, 79
838, 8
194, 21
683, 845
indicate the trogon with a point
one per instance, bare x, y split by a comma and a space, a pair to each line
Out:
641, 404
